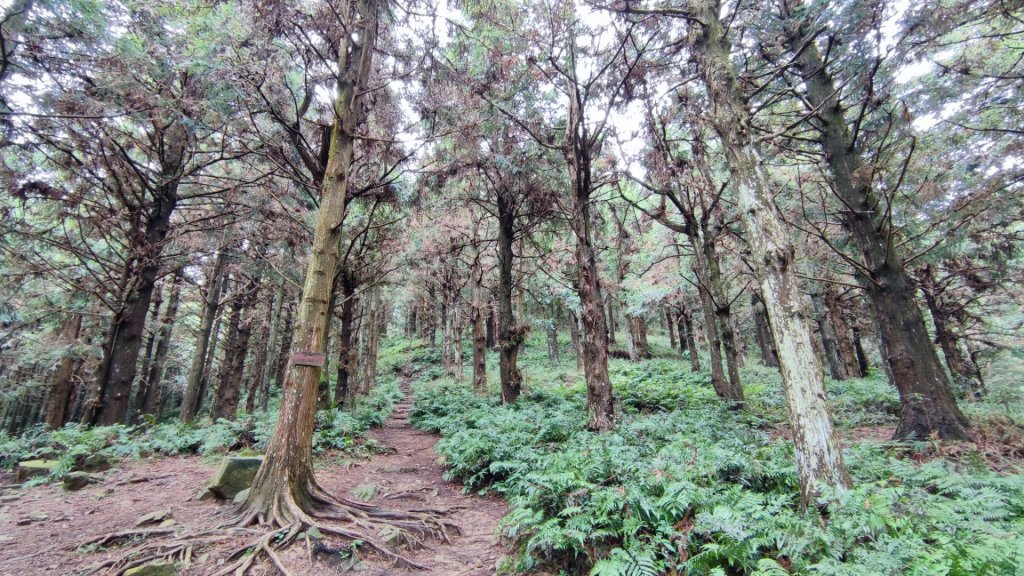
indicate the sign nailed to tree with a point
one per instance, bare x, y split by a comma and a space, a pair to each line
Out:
309, 359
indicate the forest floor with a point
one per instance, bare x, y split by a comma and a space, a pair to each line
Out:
407, 476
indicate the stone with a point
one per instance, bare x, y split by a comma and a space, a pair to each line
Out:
366, 492
23, 521
78, 480
167, 523
37, 516
96, 463
34, 469
8, 498
234, 475
153, 518
152, 569
240, 497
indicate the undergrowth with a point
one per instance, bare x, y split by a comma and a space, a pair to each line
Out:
336, 429
686, 487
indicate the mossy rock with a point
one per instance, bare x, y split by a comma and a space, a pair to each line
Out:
152, 569
34, 469
78, 480
234, 475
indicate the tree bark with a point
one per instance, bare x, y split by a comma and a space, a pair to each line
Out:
552, 330
192, 398
928, 405
479, 329
346, 351
841, 329
686, 328
818, 455
762, 333
510, 334
670, 327
577, 152
830, 349
60, 391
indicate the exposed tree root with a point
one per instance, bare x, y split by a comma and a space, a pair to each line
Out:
276, 526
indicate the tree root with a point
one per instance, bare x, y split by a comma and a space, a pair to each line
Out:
277, 529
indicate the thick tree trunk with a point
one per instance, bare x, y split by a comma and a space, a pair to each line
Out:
577, 153
284, 489
927, 403
190, 402
151, 402
818, 455
510, 334
60, 391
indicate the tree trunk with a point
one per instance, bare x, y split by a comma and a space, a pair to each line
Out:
577, 153
192, 399
510, 335
841, 329
151, 402
762, 333
225, 404
574, 334
260, 384
818, 455
284, 490
346, 351
552, 330
960, 368
830, 349
60, 391
686, 327
927, 403
142, 378
611, 319
479, 328
670, 327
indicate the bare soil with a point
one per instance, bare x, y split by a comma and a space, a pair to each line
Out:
408, 477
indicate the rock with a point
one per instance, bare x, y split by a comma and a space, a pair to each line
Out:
78, 480
152, 569
394, 537
366, 492
96, 463
23, 521
168, 523
234, 475
8, 498
34, 469
240, 497
153, 517
37, 516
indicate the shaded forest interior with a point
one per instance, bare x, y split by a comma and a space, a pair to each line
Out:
696, 288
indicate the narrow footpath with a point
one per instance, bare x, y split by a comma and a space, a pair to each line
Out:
411, 478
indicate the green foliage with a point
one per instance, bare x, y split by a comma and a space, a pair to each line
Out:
335, 430
699, 489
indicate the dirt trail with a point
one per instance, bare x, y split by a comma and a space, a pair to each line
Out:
409, 478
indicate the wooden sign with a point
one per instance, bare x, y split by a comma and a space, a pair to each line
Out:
309, 359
